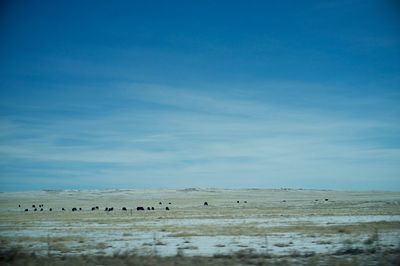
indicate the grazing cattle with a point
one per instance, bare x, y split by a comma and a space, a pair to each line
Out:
245, 201
283, 200
237, 201
205, 203
26, 210
316, 200
80, 209
160, 203
35, 209
124, 208
106, 209
110, 209
152, 208
74, 209
326, 199
33, 206
93, 208
140, 209
19, 205
169, 203
97, 207
166, 208
148, 208
62, 209
50, 209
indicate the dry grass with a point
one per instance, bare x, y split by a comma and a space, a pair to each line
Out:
247, 257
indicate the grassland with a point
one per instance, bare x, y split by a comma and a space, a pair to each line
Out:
273, 226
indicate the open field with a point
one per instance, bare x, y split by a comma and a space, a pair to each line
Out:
273, 224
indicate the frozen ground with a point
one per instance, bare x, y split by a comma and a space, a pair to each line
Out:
276, 222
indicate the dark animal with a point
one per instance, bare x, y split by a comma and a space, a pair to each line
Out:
245, 201
166, 208
237, 201
326, 199
316, 200
110, 209
206, 203
97, 207
19, 205
148, 208
283, 200
63, 209
26, 210
106, 209
169, 203
80, 209
74, 209
93, 208
140, 209
35, 209
33, 206
160, 203
152, 208
124, 208
50, 209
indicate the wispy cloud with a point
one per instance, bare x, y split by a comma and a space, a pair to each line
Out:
176, 136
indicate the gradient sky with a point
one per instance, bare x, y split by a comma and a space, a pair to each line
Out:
172, 94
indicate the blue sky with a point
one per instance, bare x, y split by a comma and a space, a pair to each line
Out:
171, 94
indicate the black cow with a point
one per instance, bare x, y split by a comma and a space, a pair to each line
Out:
140, 209
33, 206
106, 209
237, 201
50, 209
74, 209
152, 208
326, 199
35, 209
26, 210
93, 208
80, 209
124, 208
111, 209
97, 207
19, 205
205, 203
245, 201
166, 208
62, 209
169, 203
148, 208
160, 203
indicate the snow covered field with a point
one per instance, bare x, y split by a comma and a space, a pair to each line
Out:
276, 222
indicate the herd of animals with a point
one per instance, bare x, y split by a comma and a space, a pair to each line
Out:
110, 209
40, 207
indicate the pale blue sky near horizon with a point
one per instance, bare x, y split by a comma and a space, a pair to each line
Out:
174, 94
